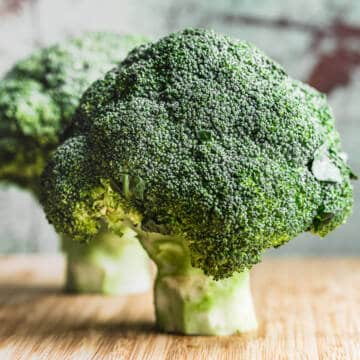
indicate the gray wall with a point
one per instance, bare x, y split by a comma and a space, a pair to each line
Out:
317, 41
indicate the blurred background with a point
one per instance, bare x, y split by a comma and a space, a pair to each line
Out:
317, 41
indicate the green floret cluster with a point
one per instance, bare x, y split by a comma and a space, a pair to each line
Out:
81, 194
39, 95
202, 137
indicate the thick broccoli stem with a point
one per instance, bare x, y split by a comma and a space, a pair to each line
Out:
109, 264
189, 302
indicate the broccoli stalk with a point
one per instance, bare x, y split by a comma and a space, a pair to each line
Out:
104, 264
38, 99
212, 154
189, 302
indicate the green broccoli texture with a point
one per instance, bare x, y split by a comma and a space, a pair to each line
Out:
39, 96
38, 99
212, 154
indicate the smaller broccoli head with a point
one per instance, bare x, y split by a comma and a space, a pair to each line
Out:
205, 139
39, 95
27, 115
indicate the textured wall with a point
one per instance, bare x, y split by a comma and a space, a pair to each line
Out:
317, 41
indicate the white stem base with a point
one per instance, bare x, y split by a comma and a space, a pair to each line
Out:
111, 265
194, 304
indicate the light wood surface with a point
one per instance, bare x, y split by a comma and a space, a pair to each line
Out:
307, 309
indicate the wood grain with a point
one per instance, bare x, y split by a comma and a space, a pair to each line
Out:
307, 308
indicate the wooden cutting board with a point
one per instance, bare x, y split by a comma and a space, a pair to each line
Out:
307, 308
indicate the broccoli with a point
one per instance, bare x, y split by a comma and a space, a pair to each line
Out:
38, 98
212, 154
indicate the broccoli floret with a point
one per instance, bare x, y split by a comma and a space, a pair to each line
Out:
39, 95
212, 153
38, 98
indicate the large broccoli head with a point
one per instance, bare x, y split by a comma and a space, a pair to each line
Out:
39, 95
205, 138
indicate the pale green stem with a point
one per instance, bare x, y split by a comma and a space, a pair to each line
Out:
109, 264
189, 302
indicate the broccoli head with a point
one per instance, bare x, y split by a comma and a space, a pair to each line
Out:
39, 95
213, 154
